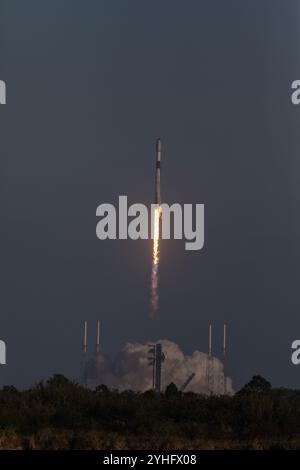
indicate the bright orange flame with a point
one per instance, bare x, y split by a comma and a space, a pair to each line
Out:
157, 213
155, 260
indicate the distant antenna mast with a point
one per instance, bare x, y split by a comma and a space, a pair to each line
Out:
210, 365
84, 357
224, 357
209, 340
85, 338
98, 338
222, 375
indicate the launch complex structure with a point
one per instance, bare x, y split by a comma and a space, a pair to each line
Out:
93, 372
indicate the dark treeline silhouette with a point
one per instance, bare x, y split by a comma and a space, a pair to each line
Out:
60, 414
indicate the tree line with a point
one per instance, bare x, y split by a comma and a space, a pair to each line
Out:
59, 413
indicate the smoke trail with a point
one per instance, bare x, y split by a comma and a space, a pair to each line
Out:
155, 262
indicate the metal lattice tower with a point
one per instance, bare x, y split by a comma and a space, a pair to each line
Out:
151, 361
155, 359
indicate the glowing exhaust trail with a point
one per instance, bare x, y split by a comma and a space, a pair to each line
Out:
155, 263
156, 234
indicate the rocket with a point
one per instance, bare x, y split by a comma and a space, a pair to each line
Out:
157, 172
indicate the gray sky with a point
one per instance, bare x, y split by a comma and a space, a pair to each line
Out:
90, 87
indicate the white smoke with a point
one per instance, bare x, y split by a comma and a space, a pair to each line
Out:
131, 371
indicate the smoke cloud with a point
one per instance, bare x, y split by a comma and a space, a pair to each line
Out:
131, 371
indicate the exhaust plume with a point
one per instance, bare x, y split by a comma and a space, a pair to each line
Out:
155, 261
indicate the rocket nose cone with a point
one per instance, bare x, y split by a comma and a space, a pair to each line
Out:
158, 145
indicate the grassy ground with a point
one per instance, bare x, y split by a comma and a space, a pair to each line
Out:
52, 439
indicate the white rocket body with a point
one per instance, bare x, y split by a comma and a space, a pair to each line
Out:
157, 172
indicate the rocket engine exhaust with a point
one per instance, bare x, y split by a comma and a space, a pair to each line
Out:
156, 234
